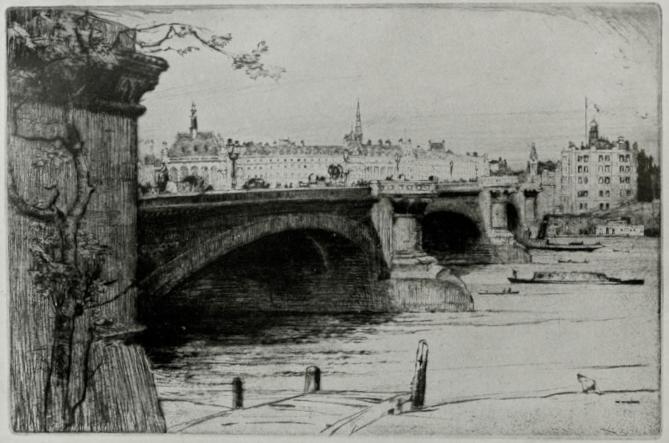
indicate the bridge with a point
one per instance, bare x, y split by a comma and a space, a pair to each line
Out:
328, 249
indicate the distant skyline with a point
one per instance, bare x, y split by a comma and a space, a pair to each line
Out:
491, 79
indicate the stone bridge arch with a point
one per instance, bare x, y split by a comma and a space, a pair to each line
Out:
205, 248
467, 207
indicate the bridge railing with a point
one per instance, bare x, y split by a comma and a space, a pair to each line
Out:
404, 187
498, 180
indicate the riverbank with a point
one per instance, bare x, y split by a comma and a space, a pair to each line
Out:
565, 413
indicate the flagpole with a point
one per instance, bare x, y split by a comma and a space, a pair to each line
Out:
586, 120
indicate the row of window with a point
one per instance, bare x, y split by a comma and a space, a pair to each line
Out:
602, 206
607, 180
605, 193
603, 158
605, 169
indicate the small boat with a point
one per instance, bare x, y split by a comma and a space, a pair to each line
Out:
568, 260
560, 277
502, 292
573, 246
621, 250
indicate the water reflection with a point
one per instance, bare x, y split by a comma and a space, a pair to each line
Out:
258, 329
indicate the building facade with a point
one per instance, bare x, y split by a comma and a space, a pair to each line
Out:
598, 175
224, 165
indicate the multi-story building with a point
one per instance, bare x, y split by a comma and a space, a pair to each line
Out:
596, 176
288, 164
197, 154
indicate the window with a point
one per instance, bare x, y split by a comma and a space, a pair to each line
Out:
601, 158
601, 193
601, 206
607, 168
622, 169
585, 179
600, 180
607, 158
580, 169
586, 158
622, 192
607, 193
600, 168
585, 169
580, 180
607, 180
627, 169
582, 193
580, 158
628, 192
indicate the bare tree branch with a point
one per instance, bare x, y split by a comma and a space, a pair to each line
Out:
88, 375
111, 299
46, 214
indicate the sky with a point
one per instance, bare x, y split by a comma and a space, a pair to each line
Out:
491, 79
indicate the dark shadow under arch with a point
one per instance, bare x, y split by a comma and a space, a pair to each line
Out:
300, 270
447, 231
512, 217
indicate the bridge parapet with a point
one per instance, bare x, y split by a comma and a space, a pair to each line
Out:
494, 181
224, 198
396, 187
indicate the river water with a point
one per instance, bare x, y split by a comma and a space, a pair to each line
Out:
534, 341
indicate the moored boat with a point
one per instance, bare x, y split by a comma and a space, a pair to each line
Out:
502, 292
572, 246
561, 277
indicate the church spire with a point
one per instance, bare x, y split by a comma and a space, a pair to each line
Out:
193, 121
357, 132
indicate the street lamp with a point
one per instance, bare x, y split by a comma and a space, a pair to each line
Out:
233, 156
398, 157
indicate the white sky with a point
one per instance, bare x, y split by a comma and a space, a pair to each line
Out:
486, 79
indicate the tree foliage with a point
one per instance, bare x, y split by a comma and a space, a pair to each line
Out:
648, 178
49, 47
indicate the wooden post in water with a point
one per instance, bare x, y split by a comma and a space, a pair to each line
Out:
312, 379
419, 377
237, 393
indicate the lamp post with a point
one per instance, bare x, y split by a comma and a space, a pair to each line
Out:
398, 157
233, 156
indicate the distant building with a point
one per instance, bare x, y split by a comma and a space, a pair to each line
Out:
619, 228
197, 154
287, 164
597, 176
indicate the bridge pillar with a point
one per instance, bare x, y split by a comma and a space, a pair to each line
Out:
499, 230
417, 282
529, 211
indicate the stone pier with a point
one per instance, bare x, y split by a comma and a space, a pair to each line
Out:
417, 282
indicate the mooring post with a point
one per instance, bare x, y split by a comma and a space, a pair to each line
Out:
237, 393
312, 379
419, 377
